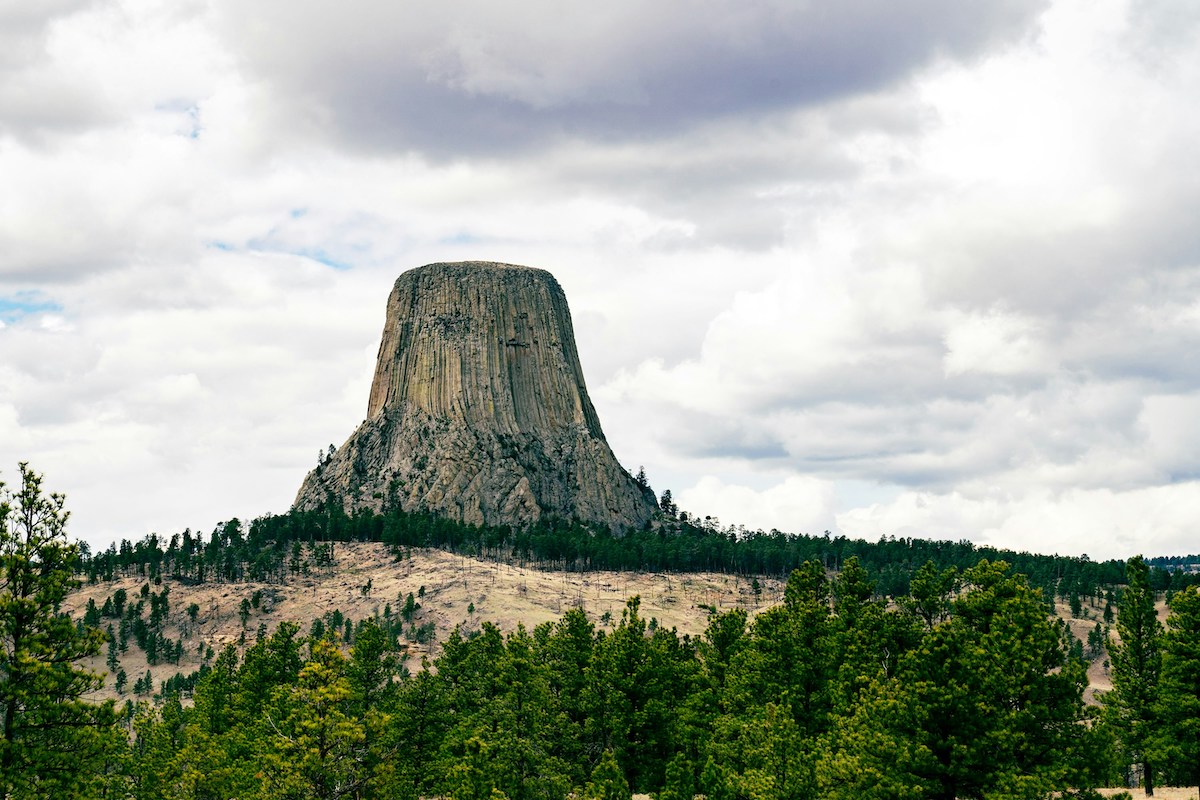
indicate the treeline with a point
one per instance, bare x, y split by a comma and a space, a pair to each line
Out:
270, 549
963, 689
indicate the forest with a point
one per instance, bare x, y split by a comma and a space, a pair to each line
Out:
680, 543
961, 686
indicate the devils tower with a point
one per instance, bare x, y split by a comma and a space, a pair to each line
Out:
478, 410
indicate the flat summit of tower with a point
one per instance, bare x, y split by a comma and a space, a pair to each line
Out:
478, 409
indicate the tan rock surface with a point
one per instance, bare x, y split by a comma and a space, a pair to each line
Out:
479, 410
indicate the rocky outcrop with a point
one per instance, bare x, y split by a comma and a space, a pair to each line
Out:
479, 411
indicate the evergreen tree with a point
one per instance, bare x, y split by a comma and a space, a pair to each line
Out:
930, 592
987, 705
318, 752
716, 780
475, 775
608, 781
680, 781
1178, 708
1136, 660
51, 737
416, 733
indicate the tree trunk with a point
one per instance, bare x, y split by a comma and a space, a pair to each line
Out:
1147, 779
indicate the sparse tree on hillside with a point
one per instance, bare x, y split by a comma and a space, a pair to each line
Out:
641, 479
667, 504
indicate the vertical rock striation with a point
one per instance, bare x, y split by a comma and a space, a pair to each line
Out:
479, 411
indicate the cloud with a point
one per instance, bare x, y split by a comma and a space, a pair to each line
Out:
1017, 321
70, 67
153, 402
1100, 522
796, 504
996, 343
473, 78
852, 267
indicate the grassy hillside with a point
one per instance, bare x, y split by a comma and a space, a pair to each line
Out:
449, 589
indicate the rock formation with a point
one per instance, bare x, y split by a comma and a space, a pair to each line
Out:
478, 410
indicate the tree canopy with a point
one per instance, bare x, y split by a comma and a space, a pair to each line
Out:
54, 743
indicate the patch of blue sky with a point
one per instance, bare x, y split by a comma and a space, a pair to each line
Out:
195, 127
462, 237
23, 304
318, 254
322, 256
186, 107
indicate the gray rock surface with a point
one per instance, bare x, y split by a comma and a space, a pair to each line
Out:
479, 411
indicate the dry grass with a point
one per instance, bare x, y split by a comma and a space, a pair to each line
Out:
1160, 793
504, 594
1099, 679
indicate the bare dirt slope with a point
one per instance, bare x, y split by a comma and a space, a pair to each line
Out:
458, 590
1160, 793
1099, 677
504, 594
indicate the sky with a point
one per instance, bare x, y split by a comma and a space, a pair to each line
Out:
925, 269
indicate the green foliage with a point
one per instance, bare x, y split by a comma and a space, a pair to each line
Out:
833, 694
54, 742
276, 546
987, 701
680, 783
1177, 708
318, 742
1136, 662
607, 782
963, 689
930, 593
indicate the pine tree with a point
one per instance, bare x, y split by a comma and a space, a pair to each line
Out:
608, 781
1136, 661
986, 706
930, 593
680, 781
318, 744
50, 735
1178, 706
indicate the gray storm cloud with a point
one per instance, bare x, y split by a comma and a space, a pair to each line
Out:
924, 269
480, 79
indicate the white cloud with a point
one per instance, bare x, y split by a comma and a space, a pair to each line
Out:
1171, 426
798, 504
948, 256
996, 343
1100, 522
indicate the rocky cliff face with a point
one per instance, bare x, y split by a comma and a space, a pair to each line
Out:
479, 410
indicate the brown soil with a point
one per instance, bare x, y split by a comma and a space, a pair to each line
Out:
1160, 793
504, 594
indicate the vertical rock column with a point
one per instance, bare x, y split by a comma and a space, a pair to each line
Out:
479, 410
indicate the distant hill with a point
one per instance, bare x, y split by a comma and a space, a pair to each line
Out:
352, 581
